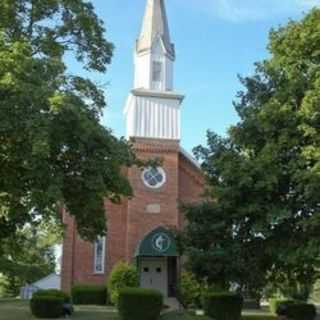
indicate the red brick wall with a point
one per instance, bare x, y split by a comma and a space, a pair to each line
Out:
78, 255
191, 181
140, 222
84, 264
129, 222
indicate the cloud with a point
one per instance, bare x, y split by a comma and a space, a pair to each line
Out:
253, 10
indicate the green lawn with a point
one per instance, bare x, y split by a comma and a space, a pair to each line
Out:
246, 316
19, 310
181, 316
259, 316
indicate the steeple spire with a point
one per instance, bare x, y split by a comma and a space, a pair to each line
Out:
155, 25
153, 107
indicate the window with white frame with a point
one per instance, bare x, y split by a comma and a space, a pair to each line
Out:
99, 255
154, 178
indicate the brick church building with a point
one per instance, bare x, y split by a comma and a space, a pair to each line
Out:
139, 228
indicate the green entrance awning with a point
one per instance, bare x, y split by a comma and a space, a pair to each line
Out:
158, 243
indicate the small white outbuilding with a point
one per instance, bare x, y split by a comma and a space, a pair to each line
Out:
52, 281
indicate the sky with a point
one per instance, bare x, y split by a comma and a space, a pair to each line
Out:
216, 40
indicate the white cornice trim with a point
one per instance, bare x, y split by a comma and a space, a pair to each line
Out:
157, 94
189, 157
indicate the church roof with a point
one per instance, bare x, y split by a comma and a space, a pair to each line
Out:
155, 25
189, 157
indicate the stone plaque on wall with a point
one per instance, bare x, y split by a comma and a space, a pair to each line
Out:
153, 208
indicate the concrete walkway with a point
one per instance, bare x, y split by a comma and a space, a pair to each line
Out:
173, 305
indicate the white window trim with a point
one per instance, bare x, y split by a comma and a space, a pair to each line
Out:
103, 256
157, 186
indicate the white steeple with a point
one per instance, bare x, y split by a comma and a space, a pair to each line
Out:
155, 25
154, 54
153, 109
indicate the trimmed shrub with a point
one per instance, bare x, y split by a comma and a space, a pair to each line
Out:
122, 276
48, 307
48, 303
223, 306
53, 293
276, 303
89, 294
301, 311
190, 290
138, 304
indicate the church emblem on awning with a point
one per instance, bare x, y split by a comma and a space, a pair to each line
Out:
161, 242
158, 243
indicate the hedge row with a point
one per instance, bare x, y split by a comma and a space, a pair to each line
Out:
293, 310
223, 306
89, 295
302, 311
48, 304
47, 307
52, 293
138, 304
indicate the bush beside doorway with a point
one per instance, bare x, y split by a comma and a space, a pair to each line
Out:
122, 276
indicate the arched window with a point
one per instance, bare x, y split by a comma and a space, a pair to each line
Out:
99, 255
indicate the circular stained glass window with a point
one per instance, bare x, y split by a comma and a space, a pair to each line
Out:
154, 177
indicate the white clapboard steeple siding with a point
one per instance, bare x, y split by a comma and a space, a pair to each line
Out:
153, 108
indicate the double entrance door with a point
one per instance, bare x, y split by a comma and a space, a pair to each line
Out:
154, 274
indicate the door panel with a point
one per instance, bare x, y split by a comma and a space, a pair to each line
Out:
154, 275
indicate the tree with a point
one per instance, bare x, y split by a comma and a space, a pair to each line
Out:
265, 175
222, 251
2, 284
53, 149
28, 256
316, 292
